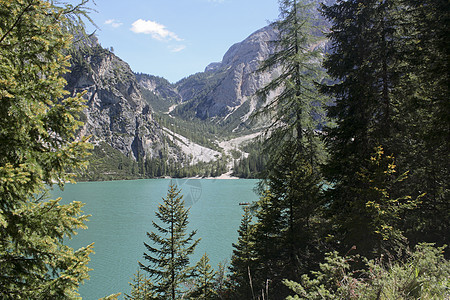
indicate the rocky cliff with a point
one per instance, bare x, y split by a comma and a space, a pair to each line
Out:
226, 89
116, 111
241, 81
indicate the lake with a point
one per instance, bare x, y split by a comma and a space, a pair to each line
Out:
122, 213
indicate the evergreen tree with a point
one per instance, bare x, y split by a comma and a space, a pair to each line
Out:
378, 211
170, 247
365, 60
241, 262
422, 275
295, 110
204, 281
283, 232
425, 134
221, 281
37, 145
287, 231
141, 288
388, 58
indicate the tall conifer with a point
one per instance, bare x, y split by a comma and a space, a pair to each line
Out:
389, 59
241, 266
169, 248
425, 133
365, 63
37, 145
204, 280
284, 215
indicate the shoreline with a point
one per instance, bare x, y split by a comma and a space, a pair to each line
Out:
221, 177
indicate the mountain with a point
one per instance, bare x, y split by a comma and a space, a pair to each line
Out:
117, 117
140, 122
224, 92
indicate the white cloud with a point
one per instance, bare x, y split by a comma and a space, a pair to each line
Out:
156, 30
114, 23
177, 48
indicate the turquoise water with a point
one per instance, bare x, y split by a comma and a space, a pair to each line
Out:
122, 212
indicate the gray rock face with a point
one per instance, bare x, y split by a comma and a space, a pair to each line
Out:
116, 112
159, 86
227, 85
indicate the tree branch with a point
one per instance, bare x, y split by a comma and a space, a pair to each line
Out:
16, 22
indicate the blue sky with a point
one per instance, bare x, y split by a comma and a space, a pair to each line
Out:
176, 38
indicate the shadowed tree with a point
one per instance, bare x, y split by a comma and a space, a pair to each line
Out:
204, 280
284, 232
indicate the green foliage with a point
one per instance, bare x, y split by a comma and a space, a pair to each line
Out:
158, 167
295, 110
38, 124
204, 280
254, 164
242, 260
170, 247
107, 163
423, 275
201, 132
366, 108
141, 288
424, 136
381, 51
288, 227
333, 281
390, 102
285, 233
372, 221
385, 211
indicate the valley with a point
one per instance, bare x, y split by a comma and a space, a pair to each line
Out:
199, 124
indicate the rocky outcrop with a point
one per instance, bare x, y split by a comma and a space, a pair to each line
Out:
225, 91
225, 86
161, 87
116, 112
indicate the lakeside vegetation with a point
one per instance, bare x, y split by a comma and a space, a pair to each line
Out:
378, 231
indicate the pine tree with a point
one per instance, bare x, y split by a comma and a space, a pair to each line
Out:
425, 133
378, 211
284, 243
37, 145
204, 281
365, 61
287, 229
295, 110
241, 262
170, 247
390, 60
141, 288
